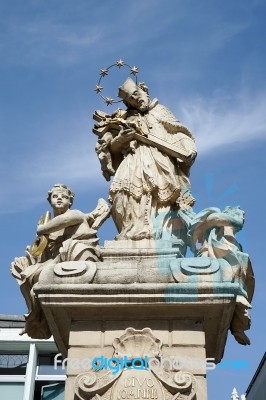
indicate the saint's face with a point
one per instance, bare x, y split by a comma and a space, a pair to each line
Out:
139, 100
60, 200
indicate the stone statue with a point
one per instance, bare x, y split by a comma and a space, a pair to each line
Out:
138, 293
215, 232
149, 153
69, 236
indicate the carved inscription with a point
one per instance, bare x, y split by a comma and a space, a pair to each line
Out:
137, 385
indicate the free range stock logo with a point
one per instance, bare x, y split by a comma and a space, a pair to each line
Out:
147, 363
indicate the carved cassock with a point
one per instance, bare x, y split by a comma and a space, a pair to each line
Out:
151, 171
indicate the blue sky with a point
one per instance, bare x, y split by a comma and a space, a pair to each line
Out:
205, 60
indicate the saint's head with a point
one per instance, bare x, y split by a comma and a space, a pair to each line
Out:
134, 96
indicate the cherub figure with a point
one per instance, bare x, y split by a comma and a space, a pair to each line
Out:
69, 236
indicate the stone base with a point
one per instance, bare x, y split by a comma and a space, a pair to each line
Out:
143, 244
183, 342
86, 319
137, 288
212, 305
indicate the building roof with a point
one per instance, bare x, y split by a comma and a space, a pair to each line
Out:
256, 373
12, 321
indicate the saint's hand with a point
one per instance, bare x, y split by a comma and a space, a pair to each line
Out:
124, 137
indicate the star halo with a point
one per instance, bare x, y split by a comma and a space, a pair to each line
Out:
105, 71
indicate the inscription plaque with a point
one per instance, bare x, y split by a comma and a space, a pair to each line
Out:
137, 384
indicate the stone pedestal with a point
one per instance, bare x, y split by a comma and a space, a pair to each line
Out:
136, 288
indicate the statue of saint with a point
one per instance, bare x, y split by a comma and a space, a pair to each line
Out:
69, 236
149, 153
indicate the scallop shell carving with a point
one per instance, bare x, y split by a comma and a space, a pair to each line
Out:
137, 344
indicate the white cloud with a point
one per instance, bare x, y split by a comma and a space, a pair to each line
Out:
67, 157
70, 157
65, 35
48, 30
222, 34
33, 42
225, 121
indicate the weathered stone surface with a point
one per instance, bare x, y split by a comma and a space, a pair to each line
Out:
214, 231
149, 153
140, 372
128, 305
138, 295
69, 237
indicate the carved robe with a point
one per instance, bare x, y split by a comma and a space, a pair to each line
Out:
149, 182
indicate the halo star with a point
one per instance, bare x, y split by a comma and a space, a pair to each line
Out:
104, 72
134, 70
98, 89
120, 63
108, 100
